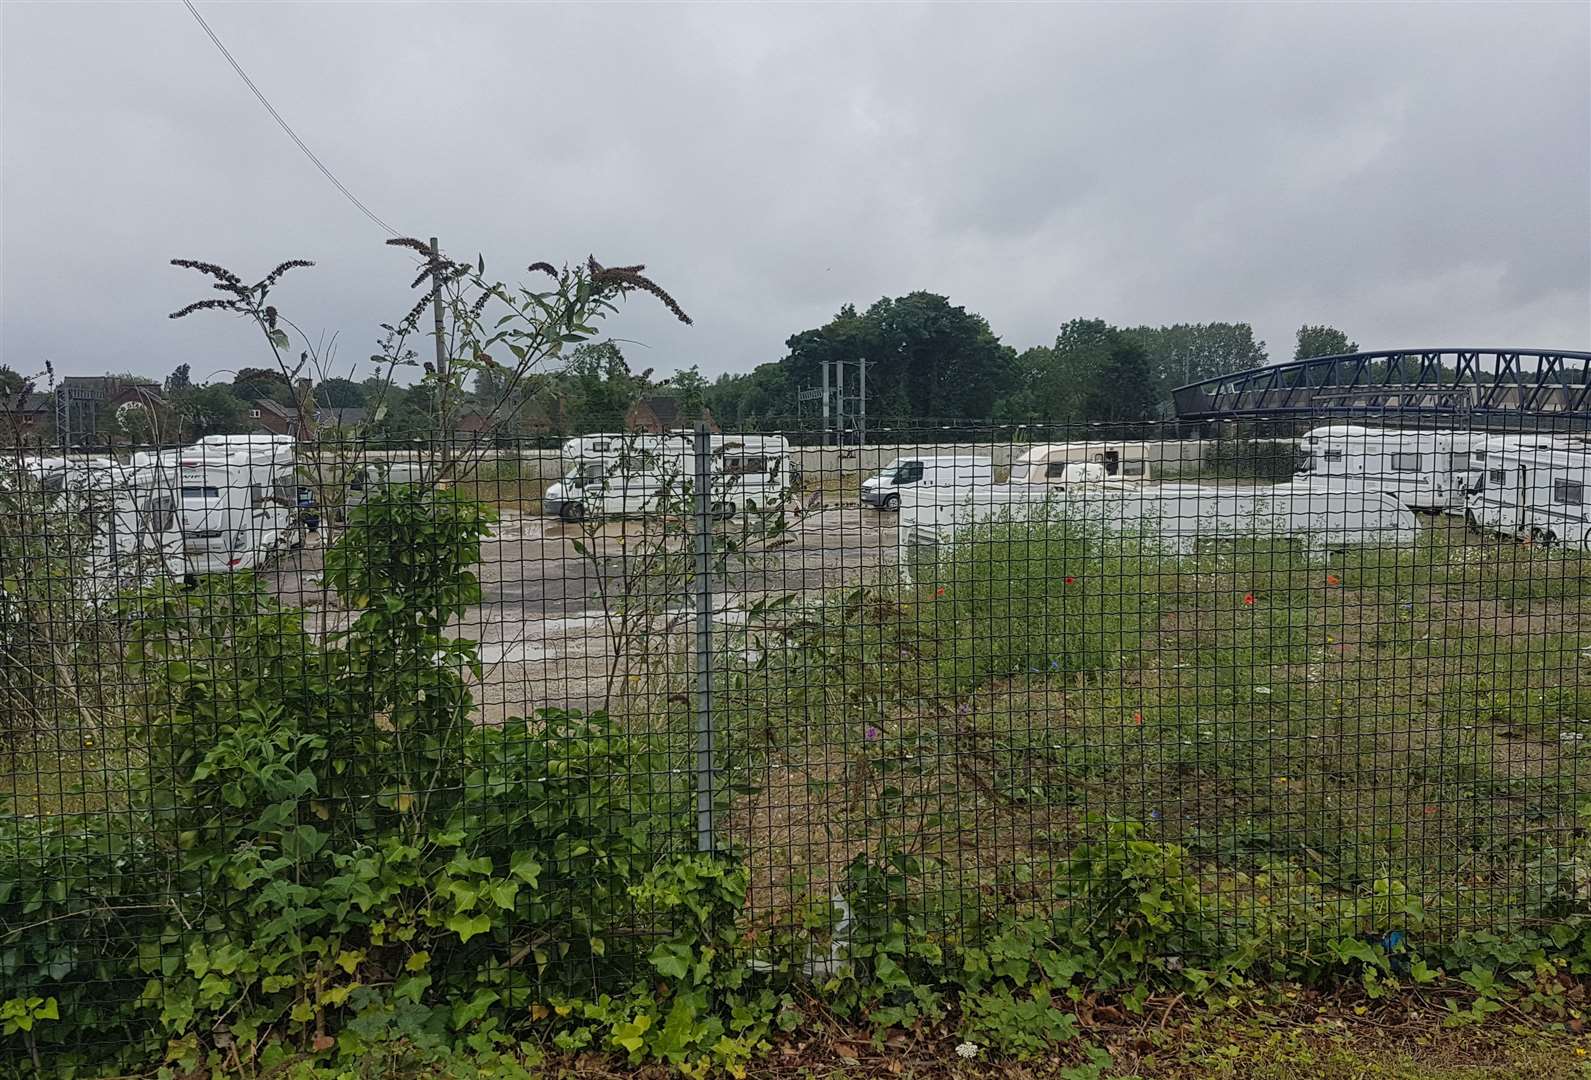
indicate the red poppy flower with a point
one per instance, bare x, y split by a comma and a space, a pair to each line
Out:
1248, 599
1333, 579
1070, 580
1138, 718
939, 591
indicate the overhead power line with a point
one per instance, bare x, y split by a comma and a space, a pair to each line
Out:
291, 134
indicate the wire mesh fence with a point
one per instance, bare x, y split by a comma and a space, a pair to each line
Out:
1339, 669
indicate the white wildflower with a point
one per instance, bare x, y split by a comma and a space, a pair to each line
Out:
968, 1050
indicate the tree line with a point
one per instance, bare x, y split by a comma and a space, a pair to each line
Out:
927, 359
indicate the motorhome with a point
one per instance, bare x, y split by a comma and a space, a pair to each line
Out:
882, 491
619, 475
1170, 517
238, 501
1051, 463
1424, 470
1535, 490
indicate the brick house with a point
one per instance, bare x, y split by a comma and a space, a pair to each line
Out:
534, 417
659, 414
29, 417
267, 417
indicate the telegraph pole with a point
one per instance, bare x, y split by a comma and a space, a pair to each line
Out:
436, 310
825, 366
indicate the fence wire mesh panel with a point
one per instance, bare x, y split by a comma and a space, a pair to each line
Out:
287, 721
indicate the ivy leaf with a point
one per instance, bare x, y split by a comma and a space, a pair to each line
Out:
525, 867
467, 926
631, 1036
672, 959
503, 894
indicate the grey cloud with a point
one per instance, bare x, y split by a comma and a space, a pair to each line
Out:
1413, 173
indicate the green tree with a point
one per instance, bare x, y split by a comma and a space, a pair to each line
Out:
180, 381
689, 388
261, 384
1122, 389
1322, 341
336, 393
11, 382
600, 387
927, 357
1188, 352
211, 410
753, 400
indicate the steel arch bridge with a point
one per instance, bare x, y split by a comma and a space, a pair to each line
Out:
1492, 388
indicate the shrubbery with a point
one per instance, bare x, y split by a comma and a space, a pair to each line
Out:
328, 859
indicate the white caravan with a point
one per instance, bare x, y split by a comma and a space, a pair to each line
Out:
128, 511
1425, 470
1169, 517
629, 474
883, 490
1054, 463
238, 501
1535, 490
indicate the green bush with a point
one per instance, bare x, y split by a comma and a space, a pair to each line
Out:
324, 842
1269, 460
1014, 598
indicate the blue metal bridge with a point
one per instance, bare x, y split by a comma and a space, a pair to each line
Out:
1491, 388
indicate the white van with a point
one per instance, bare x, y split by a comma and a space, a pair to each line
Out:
629, 474
883, 490
1424, 470
1537, 492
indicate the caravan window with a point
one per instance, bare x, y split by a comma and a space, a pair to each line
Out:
1570, 492
1055, 469
746, 466
1495, 477
1132, 468
201, 493
1406, 463
1332, 455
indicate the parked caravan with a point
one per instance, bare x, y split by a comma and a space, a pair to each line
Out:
883, 490
1425, 470
1170, 517
128, 512
1052, 463
1535, 491
629, 474
238, 502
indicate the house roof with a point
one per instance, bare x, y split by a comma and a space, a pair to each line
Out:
275, 408
349, 417
666, 409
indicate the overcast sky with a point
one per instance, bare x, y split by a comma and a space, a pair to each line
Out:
1416, 175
